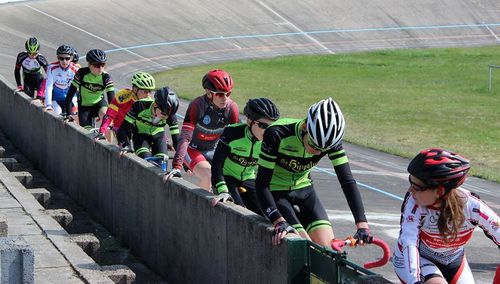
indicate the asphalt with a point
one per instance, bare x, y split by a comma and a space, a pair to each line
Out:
159, 35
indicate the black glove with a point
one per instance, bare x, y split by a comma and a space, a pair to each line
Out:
283, 226
67, 117
364, 235
173, 173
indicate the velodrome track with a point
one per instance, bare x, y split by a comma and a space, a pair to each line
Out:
157, 35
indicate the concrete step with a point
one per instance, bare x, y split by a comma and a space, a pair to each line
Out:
120, 274
11, 164
24, 178
62, 216
4, 228
88, 242
42, 195
18, 261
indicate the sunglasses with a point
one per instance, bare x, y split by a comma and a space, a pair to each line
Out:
312, 144
33, 53
62, 58
261, 125
418, 187
98, 65
221, 94
162, 112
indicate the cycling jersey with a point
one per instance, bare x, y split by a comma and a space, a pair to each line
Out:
90, 87
32, 73
118, 109
141, 120
420, 243
236, 155
58, 82
285, 165
203, 125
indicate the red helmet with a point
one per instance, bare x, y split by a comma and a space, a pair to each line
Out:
438, 167
217, 81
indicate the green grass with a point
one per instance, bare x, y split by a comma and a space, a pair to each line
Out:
395, 101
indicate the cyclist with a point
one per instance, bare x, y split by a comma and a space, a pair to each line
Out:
59, 77
91, 83
146, 120
143, 84
205, 119
32, 63
291, 147
235, 159
438, 218
76, 58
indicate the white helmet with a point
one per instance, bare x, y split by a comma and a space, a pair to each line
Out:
325, 124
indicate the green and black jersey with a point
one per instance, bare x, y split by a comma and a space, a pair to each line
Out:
284, 152
90, 87
140, 119
236, 156
285, 165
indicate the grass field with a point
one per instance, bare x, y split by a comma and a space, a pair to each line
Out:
394, 101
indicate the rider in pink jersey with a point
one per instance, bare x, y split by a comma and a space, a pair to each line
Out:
438, 218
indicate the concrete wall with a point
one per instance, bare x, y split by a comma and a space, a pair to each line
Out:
171, 226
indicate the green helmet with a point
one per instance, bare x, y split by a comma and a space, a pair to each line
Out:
32, 45
143, 80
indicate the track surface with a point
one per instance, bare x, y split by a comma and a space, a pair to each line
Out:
154, 36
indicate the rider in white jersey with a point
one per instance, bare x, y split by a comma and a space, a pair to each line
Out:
59, 77
438, 218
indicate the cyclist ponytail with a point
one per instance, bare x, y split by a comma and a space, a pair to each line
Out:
452, 216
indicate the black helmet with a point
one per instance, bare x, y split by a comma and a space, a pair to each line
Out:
166, 100
65, 49
96, 56
260, 108
76, 57
439, 167
32, 45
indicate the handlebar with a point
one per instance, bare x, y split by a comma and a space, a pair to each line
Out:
350, 241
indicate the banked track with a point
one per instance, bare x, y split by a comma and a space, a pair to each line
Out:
158, 35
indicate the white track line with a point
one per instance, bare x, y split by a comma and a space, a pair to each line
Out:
488, 28
295, 27
96, 36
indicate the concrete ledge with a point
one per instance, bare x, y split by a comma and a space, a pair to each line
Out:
17, 261
62, 216
3, 226
120, 274
24, 178
11, 164
42, 195
88, 242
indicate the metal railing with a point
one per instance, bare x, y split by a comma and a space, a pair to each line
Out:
311, 263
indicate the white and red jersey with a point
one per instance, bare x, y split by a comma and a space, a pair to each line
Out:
420, 237
58, 81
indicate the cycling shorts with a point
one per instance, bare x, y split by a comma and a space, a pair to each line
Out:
86, 114
302, 209
456, 272
243, 193
194, 157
